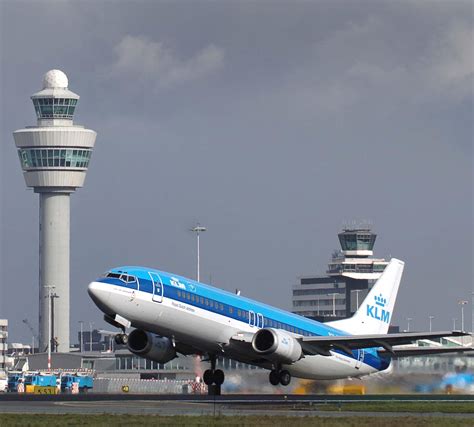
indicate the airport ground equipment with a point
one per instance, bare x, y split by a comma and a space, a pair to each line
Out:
13, 380
40, 380
84, 382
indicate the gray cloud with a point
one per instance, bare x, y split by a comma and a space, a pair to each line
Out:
141, 58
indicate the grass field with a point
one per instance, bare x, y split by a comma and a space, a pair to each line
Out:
7, 420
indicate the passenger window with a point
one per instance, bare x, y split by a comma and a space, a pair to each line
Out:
201, 300
179, 293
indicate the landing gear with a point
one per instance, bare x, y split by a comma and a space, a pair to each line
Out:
279, 377
274, 378
213, 377
121, 339
285, 378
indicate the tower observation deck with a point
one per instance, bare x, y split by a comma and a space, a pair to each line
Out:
54, 156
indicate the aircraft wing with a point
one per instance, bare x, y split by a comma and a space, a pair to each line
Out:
323, 344
421, 351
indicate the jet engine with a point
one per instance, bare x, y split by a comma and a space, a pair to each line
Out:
277, 346
150, 346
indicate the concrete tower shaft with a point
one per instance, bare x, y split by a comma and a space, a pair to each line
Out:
54, 156
54, 237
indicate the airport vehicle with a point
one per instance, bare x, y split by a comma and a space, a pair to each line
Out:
13, 380
3, 385
173, 315
40, 380
85, 382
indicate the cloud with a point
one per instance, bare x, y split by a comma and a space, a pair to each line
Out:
144, 58
451, 63
373, 65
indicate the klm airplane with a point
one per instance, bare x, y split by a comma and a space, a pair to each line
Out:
174, 315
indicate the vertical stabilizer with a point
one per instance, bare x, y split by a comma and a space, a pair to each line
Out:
375, 313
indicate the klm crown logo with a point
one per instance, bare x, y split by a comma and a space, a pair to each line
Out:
378, 311
380, 300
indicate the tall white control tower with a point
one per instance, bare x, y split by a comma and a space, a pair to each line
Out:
54, 156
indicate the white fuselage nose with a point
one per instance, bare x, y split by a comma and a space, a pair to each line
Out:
100, 294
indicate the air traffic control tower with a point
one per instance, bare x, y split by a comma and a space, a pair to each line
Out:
54, 156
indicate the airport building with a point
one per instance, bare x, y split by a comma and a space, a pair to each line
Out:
54, 156
350, 274
3, 346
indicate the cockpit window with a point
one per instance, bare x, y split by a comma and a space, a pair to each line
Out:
127, 279
123, 277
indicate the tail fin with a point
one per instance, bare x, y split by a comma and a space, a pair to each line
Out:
375, 313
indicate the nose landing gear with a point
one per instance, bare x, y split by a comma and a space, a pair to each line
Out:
121, 339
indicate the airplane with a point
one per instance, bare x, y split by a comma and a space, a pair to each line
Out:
174, 315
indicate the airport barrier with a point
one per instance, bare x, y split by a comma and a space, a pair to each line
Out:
136, 385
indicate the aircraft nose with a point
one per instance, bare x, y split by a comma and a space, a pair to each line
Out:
99, 293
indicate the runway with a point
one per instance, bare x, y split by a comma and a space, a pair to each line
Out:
169, 405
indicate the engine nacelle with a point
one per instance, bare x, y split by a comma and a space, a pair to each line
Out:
151, 346
277, 345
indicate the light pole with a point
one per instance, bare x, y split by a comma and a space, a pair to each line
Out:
357, 297
462, 303
333, 303
431, 319
49, 296
90, 335
81, 335
409, 319
198, 230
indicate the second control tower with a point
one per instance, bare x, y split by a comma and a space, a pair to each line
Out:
54, 156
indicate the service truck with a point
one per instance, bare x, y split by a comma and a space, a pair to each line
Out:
14, 379
40, 380
84, 382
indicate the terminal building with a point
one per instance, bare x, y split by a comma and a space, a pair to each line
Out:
351, 273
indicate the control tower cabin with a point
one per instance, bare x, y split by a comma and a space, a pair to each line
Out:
54, 156
351, 271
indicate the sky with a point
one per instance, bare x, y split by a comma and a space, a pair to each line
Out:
273, 124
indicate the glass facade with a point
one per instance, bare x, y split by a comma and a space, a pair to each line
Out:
357, 240
54, 108
32, 158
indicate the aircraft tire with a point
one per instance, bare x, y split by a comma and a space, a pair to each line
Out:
118, 339
274, 378
218, 377
285, 378
208, 377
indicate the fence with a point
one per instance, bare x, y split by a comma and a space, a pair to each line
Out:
135, 385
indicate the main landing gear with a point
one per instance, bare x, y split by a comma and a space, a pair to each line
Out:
277, 376
213, 377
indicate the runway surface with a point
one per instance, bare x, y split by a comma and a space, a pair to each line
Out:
287, 405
